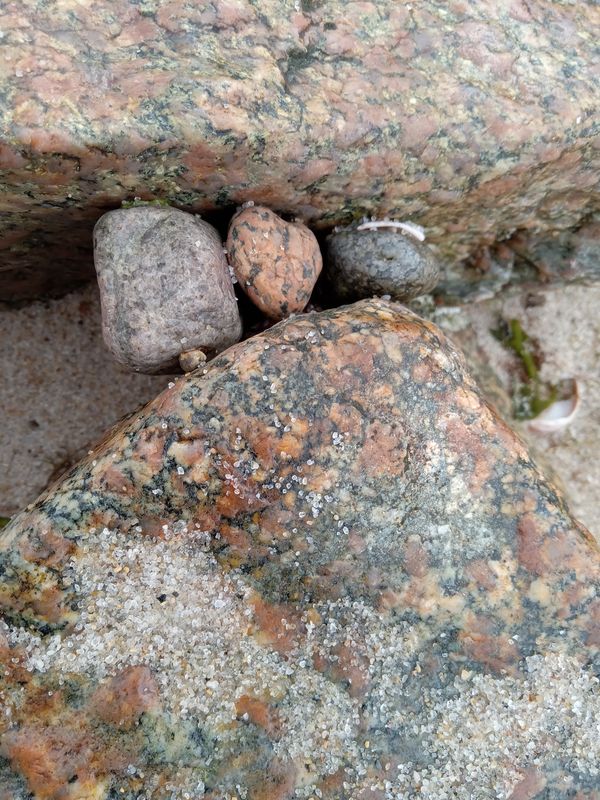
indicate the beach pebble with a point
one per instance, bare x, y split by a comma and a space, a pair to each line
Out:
276, 262
165, 287
364, 263
191, 360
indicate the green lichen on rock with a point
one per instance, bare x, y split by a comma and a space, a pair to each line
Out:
137, 202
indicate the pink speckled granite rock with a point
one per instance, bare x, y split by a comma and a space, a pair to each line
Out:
473, 119
274, 583
277, 263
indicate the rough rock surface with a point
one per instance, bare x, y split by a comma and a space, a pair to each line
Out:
268, 585
277, 263
364, 263
164, 285
526, 260
473, 119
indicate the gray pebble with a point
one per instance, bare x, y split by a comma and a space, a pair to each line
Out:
364, 263
165, 287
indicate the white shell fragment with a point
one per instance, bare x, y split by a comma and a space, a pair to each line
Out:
558, 415
406, 227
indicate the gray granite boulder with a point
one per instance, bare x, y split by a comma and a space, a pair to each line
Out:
165, 287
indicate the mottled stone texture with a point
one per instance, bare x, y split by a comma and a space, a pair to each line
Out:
364, 263
526, 260
304, 589
165, 287
474, 119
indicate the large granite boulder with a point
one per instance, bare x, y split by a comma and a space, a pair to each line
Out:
473, 119
319, 567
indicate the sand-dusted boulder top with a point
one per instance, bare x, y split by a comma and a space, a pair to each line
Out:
473, 119
275, 583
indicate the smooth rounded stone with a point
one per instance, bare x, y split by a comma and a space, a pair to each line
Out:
267, 584
191, 360
368, 263
165, 287
277, 263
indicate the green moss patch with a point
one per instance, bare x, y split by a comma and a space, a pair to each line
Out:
530, 395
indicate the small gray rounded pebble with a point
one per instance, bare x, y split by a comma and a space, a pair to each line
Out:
165, 287
364, 263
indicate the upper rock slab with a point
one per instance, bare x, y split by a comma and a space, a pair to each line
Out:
472, 119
